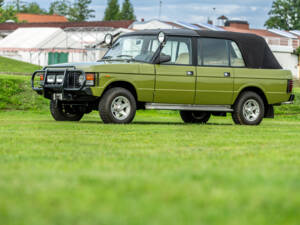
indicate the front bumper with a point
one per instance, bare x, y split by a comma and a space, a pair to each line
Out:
70, 89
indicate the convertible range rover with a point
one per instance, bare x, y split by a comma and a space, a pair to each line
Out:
198, 73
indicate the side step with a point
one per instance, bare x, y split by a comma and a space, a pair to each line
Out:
207, 108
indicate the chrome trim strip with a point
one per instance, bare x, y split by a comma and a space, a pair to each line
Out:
208, 108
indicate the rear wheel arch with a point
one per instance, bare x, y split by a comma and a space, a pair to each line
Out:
255, 89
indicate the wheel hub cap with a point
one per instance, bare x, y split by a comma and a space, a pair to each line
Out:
251, 110
120, 108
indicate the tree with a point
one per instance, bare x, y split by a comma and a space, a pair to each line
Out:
1, 3
81, 11
112, 11
285, 15
127, 12
8, 13
32, 7
60, 7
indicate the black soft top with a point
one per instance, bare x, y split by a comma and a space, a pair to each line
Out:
255, 50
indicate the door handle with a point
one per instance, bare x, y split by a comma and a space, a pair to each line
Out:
227, 74
190, 73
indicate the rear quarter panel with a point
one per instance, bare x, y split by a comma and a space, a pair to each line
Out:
272, 82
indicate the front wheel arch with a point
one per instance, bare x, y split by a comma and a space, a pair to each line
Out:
122, 84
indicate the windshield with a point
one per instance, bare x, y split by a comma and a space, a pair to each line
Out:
135, 48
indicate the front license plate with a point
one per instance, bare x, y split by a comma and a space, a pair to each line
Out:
57, 96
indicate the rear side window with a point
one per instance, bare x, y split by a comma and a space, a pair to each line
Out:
236, 58
213, 52
180, 50
219, 52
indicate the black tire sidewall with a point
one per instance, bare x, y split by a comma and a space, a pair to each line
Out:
59, 115
106, 101
188, 117
239, 108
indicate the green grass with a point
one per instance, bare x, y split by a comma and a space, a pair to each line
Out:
14, 66
156, 171
16, 94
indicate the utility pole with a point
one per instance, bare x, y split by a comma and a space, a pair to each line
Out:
18, 5
160, 6
214, 18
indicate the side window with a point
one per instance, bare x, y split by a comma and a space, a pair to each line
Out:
236, 58
180, 50
213, 52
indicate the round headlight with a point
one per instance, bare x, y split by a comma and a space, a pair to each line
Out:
108, 39
161, 37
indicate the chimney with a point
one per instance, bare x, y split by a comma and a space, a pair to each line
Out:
239, 24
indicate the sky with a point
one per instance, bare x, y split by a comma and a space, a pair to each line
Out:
192, 11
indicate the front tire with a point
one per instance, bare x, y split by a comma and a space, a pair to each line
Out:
62, 112
195, 116
249, 109
118, 106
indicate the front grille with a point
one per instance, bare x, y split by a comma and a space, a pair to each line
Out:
73, 79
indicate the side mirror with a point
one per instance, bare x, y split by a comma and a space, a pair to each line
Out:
162, 59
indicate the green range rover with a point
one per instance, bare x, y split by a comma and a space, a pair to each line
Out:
198, 73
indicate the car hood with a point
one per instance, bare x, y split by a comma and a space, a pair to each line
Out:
104, 66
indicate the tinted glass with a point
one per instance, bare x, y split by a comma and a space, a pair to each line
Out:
236, 58
213, 52
180, 50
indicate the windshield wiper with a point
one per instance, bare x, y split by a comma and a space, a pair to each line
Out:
128, 56
119, 58
106, 57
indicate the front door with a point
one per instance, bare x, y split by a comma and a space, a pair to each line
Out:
176, 80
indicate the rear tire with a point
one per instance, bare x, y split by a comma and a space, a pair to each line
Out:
64, 113
249, 109
195, 116
118, 106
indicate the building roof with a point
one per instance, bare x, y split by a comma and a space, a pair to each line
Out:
63, 25
283, 33
260, 32
207, 26
174, 24
37, 18
35, 38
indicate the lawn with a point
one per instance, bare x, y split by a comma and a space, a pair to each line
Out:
14, 66
155, 171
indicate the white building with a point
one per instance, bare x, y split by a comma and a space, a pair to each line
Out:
46, 46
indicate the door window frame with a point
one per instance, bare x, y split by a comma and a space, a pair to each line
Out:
192, 54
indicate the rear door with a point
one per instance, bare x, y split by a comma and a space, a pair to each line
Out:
176, 80
215, 76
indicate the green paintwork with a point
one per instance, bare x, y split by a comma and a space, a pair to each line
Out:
173, 85
208, 85
213, 88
